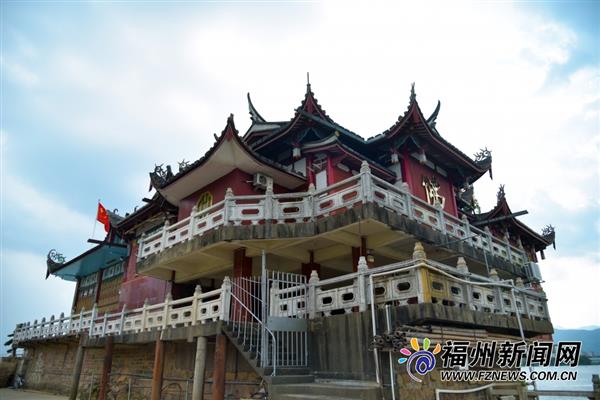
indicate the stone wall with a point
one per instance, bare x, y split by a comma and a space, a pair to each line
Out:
8, 367
49, 367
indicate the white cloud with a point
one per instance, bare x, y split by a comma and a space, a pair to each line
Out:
571, 284
19, 72
23, 288
42, 213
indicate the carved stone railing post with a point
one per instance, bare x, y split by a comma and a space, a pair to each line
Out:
122, 321
195, 302
144, 312
52, 325
490, 239
225, 298
166, 314
440, 212
165, 233
461, 266
104, 323
465, 222
140, 252
500, 302
43, 327
313, 281
361, 269
228, 206
523, 296
192, 225
269, 204
309, 202
508, 250
93, 318
420, 257
366, 182
61, 323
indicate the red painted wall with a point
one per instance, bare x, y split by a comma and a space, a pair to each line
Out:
417, 171
135, 288
239, 181
340, 175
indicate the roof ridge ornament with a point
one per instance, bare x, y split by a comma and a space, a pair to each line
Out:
254, 115
501, 195
431, 121
483, 158
413, 95
549, 233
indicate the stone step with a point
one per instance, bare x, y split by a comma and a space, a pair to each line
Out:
289, 379
326, 390
308, 397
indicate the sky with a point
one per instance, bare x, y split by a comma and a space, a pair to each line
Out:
94, 94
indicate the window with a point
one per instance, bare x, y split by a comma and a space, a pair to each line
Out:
321, 180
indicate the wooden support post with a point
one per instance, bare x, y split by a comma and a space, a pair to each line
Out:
106, 367
199, 368
596, 386
157, 371
77, 369
218, 386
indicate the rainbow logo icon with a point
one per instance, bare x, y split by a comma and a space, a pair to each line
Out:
423, 360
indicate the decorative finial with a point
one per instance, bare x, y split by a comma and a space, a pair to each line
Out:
419, 252
461, 265
413, 96
308, 79
501, 194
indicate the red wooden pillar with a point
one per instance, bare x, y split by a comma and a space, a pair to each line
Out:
242, 265
106, 368
330, 176
242, 268
309, 169
406, 173
157, 371
355, 257
218, 386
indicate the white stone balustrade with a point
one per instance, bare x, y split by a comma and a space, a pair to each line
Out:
417, 280
197, 309
307, 206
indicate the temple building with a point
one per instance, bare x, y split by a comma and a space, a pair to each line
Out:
294, 260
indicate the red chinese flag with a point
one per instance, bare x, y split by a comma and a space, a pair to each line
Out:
102, 216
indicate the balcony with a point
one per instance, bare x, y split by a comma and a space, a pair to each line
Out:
455, 295
315, 205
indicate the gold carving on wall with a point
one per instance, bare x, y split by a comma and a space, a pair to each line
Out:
204, 201
432, 188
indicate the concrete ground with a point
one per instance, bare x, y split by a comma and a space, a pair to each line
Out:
10, 394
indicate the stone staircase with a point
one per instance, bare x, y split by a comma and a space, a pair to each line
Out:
248, 348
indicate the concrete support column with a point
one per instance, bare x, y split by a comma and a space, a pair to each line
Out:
199, 368
157, 371
106, 368
218, 386
77, 369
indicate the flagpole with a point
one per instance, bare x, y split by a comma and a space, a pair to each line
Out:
95, 222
